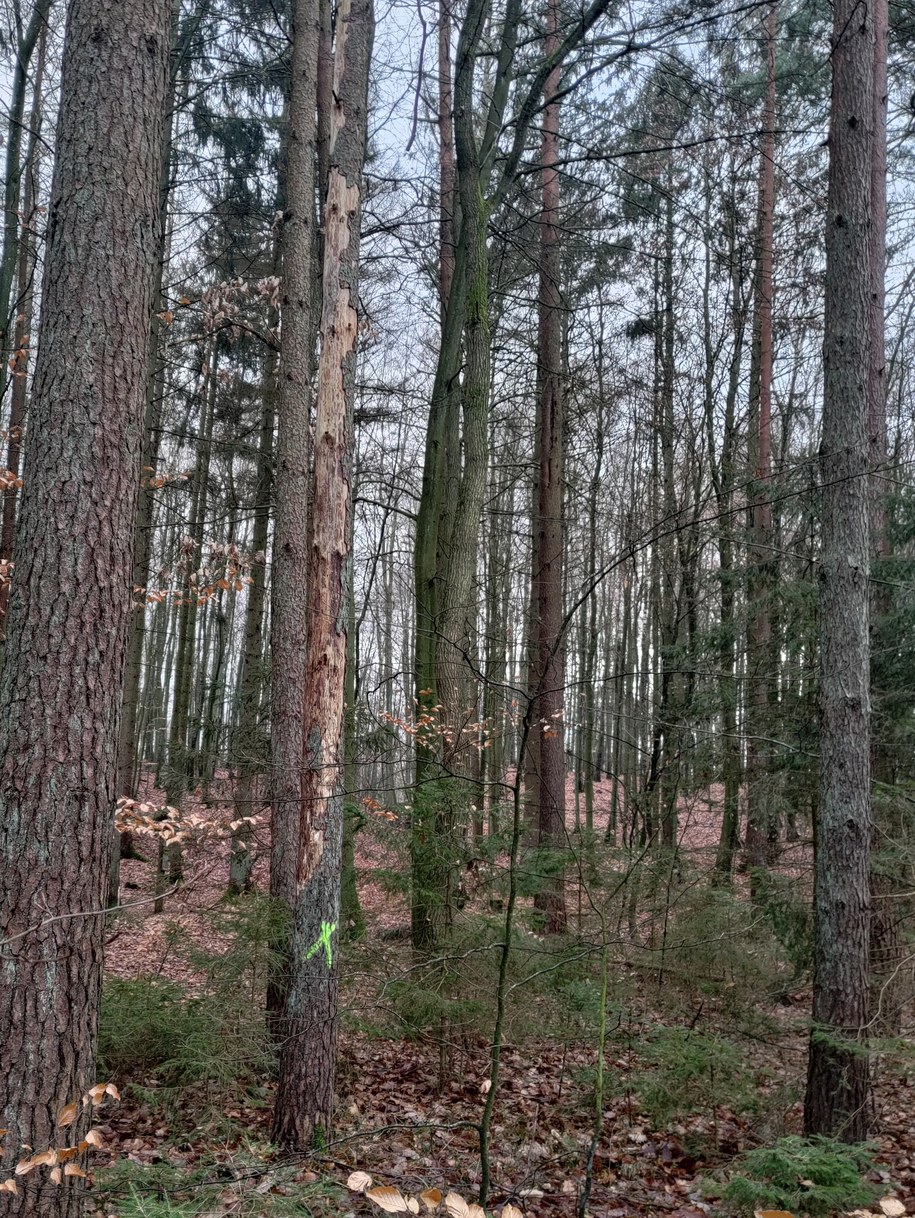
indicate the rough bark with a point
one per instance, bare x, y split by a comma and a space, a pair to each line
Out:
762, 828
838, 1083
70, 604
305, 1092
891, 981
127, 747
293, 457
547, 569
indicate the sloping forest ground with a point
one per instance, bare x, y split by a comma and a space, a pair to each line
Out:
705, 1038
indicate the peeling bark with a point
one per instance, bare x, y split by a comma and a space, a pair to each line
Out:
305, 1093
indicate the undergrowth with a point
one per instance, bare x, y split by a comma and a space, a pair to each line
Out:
813, 1176
242, 1186
153, 1028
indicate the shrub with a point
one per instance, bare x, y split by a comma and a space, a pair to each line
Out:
689, 1072
815, 1176
152, 1025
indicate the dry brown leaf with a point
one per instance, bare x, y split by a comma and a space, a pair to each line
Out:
9, 1186
47, 1158
67, 1115
387, 1198
56, 1175
891, 1206
358, 1181
74, 1169
772, 1214
431, 1198
511, 1211
94, 1138
111, 1090
412, 1205
456, 1206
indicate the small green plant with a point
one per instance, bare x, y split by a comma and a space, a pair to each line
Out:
153, 1026
722, 949
791, 919
214, 1185
689, 1072
814, 1176
139, 1206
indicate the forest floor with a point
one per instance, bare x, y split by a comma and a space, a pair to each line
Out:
412, 1084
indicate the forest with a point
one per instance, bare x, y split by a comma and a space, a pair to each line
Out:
457, 608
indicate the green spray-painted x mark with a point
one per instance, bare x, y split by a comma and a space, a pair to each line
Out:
323, 940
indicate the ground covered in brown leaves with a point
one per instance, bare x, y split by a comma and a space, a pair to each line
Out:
412, 1091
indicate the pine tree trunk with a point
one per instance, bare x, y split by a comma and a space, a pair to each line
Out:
891, 980
127, 747
762, 826
70, 605
305, 1091
293, 458
547, 569
838, 1099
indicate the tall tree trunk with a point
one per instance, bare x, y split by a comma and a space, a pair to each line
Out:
305, 1092
60, 692
838, 1097
247, 749
25, 48
547, 568
431, 844
26, 256
890, 981
293, 457
723, 484
762, 828
352, 920
445, 160
181, 751
143, 527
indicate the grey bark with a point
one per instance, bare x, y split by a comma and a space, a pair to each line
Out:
838, 1082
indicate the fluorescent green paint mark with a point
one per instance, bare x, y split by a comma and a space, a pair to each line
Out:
327, 929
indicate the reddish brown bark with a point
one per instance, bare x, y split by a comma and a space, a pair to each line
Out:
71, 599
